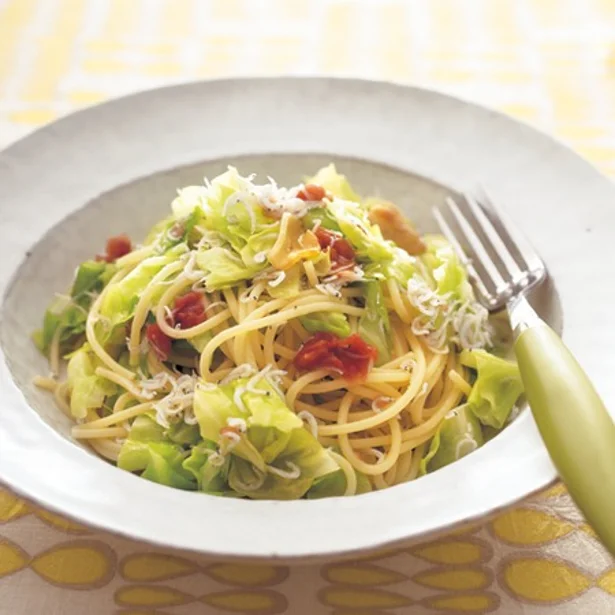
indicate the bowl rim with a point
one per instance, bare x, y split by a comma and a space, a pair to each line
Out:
336, 528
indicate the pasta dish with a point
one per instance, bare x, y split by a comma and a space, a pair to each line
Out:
278, 343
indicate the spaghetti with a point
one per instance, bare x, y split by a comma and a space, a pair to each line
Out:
273, 343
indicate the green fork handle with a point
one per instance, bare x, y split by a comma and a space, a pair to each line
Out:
573, 422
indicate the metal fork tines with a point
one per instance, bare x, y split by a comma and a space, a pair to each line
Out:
500, 261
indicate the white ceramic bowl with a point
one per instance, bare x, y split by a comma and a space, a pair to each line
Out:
115, 168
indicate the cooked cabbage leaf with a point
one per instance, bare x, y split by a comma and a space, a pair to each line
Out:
323, 216
458, 435
374, 325
329, 322
229, 208
119, 303
178, 230
496, 389
274, 437
448, 273
365, 237
334, 182
302, 451
148, 451
211, 478
66, 315
334, 485
290, 285
87, 390
254, 253
224, 268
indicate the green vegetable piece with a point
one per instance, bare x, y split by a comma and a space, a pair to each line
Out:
159, 460
496, 389
66, 315
458, 435
328, 322
374, 325
275, 457
334, 182
224, 268
119, 303
87, 390
334, 485
446, 269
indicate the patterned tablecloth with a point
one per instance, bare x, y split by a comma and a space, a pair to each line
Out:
550, 62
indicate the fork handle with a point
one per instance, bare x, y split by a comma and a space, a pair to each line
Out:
573, 421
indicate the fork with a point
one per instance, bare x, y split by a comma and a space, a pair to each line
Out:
572, 419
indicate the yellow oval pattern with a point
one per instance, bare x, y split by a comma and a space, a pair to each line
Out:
11, 507
453, 552
76, 564
142, 567
362, 599
454, 579
247, 576
378, 554
12, 558
543, 580
466, 528
361, 574
607, 582
262, 602
60, 523
529, 527
145, 595
553, 492
463, 603
589, 530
